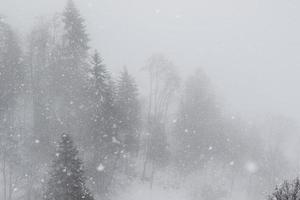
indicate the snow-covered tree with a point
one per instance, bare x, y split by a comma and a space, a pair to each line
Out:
11, 71
198, 134
75, 38
289, 190
69, 71
11, 83
102, 91
67, 180
105, 146
128, 114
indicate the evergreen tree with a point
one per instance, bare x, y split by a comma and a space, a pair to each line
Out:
102, 92
11, 82
67, 180
38, 144
75, 38
128, 107
70, 69
11, 71
289, 190
198, 127
105, 145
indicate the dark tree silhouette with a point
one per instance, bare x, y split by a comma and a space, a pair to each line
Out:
67, 181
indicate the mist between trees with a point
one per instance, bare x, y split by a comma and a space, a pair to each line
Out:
70, 130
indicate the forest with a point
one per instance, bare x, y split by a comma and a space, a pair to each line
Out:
71, 129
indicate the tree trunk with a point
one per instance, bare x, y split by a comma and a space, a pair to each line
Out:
10, 189
4, 176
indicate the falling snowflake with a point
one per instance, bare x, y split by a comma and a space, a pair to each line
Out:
100, 168
114, 140
251, 167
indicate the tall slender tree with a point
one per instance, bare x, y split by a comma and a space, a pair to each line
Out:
11, 82
105, 145
128, 117
163, 83
198, 135
69, 77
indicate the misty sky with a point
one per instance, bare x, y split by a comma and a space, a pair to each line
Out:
249, 48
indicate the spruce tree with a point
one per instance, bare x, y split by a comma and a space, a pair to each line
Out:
198, 128
11, 82
102, 92
67, 181
128, 112
69, 77
75, 37
105, 143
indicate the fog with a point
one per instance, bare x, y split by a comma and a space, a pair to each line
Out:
249, 48
247, 51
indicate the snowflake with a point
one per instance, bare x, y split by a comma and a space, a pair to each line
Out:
100, 168
114, 140
251, 167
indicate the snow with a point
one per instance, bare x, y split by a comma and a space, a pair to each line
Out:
251, 167
115, 141
100, 168
178, 16
157, 11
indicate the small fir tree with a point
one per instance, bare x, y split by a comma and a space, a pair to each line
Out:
67, 181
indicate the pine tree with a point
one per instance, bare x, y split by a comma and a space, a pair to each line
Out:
288, 190
105, 145
11, 71
69, 71
198, 127
75, 37
102, 92
67, 180
11, 82
128, 107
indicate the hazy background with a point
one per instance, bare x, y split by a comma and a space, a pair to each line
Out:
248, 48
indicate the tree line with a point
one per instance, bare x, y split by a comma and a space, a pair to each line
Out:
56, 83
